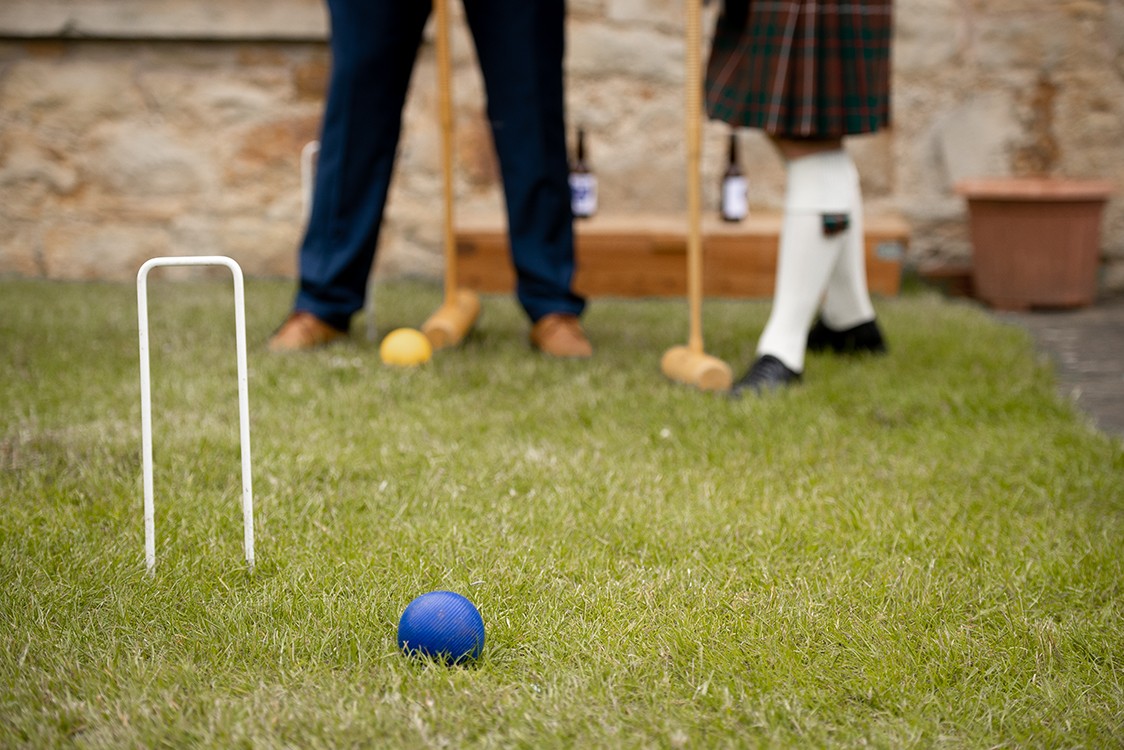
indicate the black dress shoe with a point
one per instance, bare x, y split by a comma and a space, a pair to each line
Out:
863, 338
767, 374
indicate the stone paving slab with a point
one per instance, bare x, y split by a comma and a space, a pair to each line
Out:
1087, 348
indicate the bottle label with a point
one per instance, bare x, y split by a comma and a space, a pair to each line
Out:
583, 194
735, 198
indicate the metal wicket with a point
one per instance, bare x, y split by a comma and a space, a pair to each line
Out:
146, 399
309, 156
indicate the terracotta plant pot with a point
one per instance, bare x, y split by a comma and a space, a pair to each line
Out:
1035, 241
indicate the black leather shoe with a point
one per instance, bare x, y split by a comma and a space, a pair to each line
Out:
767, 374
865, 338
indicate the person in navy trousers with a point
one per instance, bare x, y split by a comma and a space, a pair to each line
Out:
374, 44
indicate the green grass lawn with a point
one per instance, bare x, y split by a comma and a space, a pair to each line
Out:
919, 550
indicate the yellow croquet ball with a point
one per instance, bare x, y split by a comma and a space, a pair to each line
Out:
405, 347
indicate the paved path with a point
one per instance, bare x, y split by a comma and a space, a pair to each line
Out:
1087, 347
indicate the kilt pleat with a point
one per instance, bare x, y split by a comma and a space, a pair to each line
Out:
802, 68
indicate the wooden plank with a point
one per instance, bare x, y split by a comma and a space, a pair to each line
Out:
645, 256
248, 20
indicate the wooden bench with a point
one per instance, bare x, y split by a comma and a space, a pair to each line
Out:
645, 256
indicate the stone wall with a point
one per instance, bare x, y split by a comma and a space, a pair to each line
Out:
134, 128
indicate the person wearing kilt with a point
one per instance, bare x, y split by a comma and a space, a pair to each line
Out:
808, 73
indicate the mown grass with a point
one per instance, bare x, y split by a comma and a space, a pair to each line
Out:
920, 550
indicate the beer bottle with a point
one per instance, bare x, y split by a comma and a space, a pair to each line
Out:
735, 186
583, 183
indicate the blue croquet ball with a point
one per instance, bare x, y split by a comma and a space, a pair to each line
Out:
443, 626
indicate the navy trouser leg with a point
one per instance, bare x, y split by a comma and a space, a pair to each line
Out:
520, 45
374, 44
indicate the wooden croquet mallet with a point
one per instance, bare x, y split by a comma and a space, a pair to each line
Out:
690, 364
452, 321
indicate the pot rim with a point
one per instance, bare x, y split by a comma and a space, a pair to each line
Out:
1035, 188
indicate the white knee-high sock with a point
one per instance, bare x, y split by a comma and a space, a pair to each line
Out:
847, 302
822, 183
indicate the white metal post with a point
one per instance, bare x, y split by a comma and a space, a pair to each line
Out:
146, 398
309, 156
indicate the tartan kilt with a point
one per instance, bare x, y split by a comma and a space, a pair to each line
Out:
802, 68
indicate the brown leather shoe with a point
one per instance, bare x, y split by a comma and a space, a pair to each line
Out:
561, 335
303, 330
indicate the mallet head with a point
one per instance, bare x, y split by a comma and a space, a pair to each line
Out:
685, 365
451, 322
